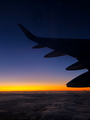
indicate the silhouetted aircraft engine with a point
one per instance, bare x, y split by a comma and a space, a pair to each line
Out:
80, 81
54, 54
75, 66
38, 46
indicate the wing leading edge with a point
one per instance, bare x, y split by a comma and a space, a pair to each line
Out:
77, 48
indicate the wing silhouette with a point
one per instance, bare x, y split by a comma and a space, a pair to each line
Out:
78, 48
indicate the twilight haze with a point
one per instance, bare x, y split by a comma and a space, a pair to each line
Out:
24, 68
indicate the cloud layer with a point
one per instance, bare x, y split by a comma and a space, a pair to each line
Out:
45, 106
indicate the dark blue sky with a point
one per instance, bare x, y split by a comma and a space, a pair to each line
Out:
19, 63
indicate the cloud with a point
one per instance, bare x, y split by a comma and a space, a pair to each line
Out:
50, 106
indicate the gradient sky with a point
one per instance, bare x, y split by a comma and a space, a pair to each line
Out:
20, 65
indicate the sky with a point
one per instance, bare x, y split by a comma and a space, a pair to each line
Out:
24, 68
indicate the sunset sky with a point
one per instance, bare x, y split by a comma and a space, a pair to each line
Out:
24, 68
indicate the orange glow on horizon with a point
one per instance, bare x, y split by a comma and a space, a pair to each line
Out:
41, 88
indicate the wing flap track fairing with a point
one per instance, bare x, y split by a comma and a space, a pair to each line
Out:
75, 66
38, 46
54, 54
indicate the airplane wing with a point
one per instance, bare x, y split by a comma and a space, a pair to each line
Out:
78, 48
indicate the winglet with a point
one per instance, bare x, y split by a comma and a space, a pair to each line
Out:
26, 32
